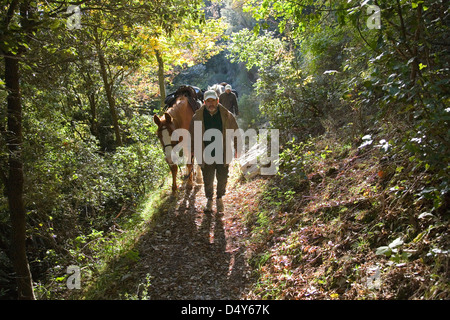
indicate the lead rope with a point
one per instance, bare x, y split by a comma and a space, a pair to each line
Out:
184, 178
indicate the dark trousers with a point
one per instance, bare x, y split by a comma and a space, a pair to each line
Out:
219, 171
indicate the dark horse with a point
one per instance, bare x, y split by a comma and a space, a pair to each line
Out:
179, 115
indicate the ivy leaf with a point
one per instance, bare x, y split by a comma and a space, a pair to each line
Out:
384, 250
396, 243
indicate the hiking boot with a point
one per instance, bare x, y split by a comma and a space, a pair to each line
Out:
219, 205
209, 205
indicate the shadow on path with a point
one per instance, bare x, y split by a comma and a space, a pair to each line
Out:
190, 255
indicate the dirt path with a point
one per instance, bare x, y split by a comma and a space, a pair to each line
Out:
192, 255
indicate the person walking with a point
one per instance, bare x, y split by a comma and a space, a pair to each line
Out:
214, 116
228, 100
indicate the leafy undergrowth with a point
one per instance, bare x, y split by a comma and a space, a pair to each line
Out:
341, 222
179, 252
104, 258
337, 222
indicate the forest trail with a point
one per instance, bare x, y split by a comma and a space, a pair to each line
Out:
189, 254
279, 238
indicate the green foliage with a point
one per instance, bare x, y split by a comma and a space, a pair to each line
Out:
325, 69
81, 184
74, 191
319, 69
249, 113
276, 85
393, 251
383, 95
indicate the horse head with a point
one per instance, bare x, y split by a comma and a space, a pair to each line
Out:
218, 88
180, 100
166, 127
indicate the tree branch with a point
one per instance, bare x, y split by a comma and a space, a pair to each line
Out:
10, 13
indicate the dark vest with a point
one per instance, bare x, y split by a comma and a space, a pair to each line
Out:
212, 122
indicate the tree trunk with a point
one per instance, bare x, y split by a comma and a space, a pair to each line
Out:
109, 96
94, 122
15, 180
162, 86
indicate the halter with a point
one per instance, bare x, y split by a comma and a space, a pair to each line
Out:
172, 144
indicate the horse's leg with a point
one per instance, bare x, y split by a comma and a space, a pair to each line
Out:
196, 171
198, 174
174, 170
190, 172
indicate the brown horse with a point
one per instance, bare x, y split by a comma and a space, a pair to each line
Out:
178, 116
